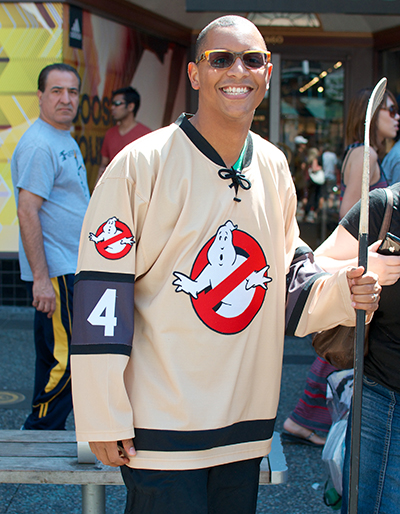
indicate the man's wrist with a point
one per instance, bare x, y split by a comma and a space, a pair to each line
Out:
41, 276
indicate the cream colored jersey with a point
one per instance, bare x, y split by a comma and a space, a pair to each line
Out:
179, 301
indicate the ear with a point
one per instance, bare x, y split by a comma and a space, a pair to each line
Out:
268, 76
131, 106
193, 74
39, 95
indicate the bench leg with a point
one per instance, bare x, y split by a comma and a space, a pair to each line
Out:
93, 499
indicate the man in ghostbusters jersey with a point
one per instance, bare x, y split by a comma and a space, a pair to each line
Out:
180, 294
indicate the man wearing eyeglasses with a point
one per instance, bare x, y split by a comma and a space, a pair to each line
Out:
125, 104
180, 290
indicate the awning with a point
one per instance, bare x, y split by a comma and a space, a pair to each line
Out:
305, 6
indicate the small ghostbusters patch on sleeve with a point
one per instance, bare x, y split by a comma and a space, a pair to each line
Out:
113, 239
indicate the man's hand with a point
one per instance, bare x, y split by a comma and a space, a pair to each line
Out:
111, 453
365, 289
44, 297
387, 267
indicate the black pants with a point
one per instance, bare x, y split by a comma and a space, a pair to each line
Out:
52, 401
226, 489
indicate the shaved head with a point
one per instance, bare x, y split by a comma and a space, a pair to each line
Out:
237, 22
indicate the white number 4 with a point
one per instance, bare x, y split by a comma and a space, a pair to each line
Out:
106, 304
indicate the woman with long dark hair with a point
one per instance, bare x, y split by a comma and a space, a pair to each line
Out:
384, 125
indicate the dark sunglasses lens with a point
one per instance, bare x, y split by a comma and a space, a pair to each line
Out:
254, 59
221, 59
117, 104
392, 111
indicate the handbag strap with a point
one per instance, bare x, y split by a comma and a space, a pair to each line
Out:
387, 217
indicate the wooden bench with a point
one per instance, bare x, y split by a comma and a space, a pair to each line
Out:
53, 457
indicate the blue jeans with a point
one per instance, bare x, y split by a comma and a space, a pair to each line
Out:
379, 486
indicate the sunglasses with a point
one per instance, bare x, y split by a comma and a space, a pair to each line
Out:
118, 103
251, 59
392, 110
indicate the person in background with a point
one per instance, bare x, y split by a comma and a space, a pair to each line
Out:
187, 246
379, 480
125, 104
330, 167
384, 125
391, 162
316, 181
310, 414
52, 195
300, 175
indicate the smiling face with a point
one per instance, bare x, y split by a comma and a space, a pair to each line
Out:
60, 99
386, 125
230, 93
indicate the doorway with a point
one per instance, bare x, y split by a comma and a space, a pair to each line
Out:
306, 99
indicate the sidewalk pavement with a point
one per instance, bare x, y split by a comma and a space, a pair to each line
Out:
302, 494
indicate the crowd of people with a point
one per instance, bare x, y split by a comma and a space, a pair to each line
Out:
315, 172
380, 415
167, 293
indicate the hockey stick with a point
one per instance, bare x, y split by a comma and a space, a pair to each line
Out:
373, 102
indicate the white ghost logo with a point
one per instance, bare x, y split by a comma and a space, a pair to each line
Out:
110, 230
223, 260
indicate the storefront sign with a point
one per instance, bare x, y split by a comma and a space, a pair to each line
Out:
75, 27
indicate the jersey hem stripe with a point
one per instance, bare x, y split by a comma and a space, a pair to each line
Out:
198, 440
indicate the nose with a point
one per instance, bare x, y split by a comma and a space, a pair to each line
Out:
238, 68
65, 97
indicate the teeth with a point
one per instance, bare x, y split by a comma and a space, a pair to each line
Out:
235, 90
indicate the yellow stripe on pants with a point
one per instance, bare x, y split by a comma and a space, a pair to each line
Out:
60, 351
43, 409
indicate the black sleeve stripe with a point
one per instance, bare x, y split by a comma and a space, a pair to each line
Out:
300, 251
101, 349
104, 276
300, 304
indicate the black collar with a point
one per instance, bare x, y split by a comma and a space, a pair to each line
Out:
237, 177
204, 146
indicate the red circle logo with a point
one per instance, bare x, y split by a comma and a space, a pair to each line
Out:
113, 239
213, 304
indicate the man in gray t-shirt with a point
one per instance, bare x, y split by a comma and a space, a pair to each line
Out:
52, 195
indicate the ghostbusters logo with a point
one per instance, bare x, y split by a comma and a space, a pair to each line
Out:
228, 282
113, 239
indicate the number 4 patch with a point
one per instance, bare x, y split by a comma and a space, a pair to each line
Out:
105, 305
